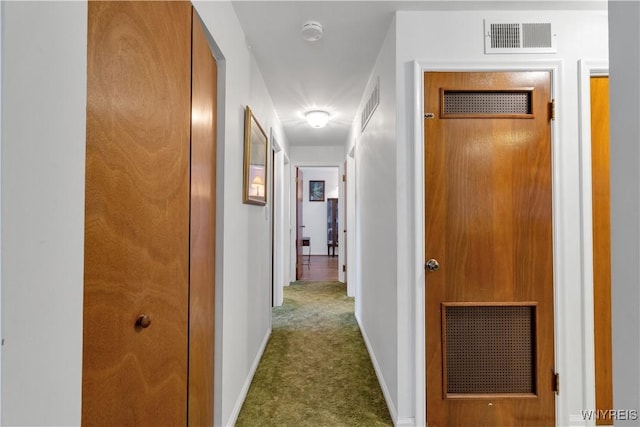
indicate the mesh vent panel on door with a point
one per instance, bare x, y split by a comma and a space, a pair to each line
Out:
489, 349
493, 103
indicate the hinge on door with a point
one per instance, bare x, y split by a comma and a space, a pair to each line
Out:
556, 383
344, 268
429, 116
552, 110
344, 178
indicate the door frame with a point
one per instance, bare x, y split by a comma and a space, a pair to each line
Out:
586, 70
563, 303
292, 188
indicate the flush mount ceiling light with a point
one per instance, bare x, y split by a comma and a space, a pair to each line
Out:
317, 118
311, 31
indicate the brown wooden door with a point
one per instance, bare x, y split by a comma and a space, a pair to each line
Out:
489, 305
202, 229
601, 243
299, 225
140, 319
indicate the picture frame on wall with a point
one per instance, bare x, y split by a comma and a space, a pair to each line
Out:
255, 161
316, 191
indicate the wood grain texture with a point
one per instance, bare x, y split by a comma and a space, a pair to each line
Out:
136, 213
203, 229
488, 221
320, 269
601, 243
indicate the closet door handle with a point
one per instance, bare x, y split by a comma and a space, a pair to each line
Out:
143, 321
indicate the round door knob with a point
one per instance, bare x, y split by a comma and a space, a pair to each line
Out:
432, 265
143, 321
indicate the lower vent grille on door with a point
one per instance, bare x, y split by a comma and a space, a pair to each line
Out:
489, 349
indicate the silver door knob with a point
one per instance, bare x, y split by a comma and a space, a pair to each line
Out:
432, 265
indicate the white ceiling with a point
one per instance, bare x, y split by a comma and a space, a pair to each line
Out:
332, 73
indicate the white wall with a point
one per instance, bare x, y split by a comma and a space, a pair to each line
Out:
376, 218
624, 67
581, 34
318, 156
243, 304
314, 214
43, 158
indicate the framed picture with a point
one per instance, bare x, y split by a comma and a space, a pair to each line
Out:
255, 161
316, 191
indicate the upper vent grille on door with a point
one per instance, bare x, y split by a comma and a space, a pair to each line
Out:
525, 37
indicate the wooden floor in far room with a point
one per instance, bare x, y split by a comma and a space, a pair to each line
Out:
321, 268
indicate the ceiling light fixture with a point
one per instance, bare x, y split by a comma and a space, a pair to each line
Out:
317, 118
311, 31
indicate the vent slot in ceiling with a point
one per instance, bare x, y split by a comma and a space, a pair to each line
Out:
371, 105
519, 37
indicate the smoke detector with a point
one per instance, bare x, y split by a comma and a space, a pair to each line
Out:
311, 31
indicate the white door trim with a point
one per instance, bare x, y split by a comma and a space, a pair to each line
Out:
587, 69
562, 302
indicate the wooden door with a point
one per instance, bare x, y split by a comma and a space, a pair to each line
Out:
299, 225
141, 316
489, 278
332, 225
601, 243
202, 229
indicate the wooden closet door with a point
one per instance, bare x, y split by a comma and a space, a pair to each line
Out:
137, 214
203, 229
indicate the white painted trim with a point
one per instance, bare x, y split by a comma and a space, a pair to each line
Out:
349, 213
275, 145
247, 383
586, 69
559, 222
383, 385
419, 255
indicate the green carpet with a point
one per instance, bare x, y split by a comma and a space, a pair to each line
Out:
315, 370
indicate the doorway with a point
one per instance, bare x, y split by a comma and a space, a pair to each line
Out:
488, 240
317, 214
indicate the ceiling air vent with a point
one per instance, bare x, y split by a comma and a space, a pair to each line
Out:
519, 37
371, 105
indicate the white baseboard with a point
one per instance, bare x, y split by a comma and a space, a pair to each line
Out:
247, 383
385, 390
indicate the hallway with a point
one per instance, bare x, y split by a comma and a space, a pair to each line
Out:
366, 75
315, 370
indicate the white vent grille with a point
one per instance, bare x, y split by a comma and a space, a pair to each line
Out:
519, 37
371, 105
536, 35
